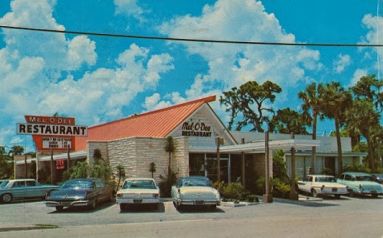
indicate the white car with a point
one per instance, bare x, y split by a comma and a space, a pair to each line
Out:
322, 185
138, 191
195, 191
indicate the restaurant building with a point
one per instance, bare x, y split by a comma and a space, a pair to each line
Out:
139, 140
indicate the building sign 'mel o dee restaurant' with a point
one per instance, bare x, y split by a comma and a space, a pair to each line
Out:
196, 129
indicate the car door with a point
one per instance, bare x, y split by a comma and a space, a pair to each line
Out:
31, 190
101, 190
18, 189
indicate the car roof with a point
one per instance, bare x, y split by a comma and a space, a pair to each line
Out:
194, 177
17, 180
357, 173
131, 179
320, 175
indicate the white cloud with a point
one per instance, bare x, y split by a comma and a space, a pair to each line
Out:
341, 62
58, 52
31, 65
232, 65
357, 75
374, 36
129, 8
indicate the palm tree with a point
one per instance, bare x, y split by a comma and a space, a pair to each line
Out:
365, 119
120, 174
310, 98
334, 100
170, 147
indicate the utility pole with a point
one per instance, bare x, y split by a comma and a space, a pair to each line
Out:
293, 191
52, 172
267, 197
218, 142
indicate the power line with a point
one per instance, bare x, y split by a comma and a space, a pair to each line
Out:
98, 34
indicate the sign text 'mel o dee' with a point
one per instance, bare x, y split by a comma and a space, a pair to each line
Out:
196, 129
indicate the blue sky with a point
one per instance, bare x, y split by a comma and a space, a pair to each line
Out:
100, 79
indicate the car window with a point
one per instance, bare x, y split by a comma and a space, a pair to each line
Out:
137, 184
326, 179
31, 183
310, 179
76, 184
348, 177
100, 184
3, 184
18, 184
364, 178
190, 182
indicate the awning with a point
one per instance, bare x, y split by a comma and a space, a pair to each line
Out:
298, 144
73, 156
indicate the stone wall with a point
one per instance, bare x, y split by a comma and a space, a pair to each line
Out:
135, 155
102, 146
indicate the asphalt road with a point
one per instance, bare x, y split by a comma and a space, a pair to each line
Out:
349, 217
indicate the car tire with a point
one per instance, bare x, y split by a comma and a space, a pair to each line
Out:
212, 207
337, 196
59, 208
123, 207
374, 195
7, 198
93, 204
314, 193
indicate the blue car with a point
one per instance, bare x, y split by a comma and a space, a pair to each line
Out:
13, 189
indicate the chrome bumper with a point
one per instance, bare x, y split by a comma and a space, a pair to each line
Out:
78, 203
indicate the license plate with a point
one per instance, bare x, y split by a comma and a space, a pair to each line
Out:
137, 200
199, 202
334, 189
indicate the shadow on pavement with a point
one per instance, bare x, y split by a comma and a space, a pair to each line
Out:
305, 203
145, 208
199, 209
83, 209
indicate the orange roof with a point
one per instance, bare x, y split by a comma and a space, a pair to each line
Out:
157, 124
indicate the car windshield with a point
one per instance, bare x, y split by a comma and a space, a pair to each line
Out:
328, 179
363, 178
137, 184
3, 183
196, 182
73, 184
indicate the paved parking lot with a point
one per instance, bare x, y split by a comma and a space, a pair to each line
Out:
36, 212
347, 215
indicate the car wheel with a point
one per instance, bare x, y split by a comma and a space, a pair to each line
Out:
123, 207
92, 205
6, 198
59, 208
212, 207
374, 195
314, 193
337, 196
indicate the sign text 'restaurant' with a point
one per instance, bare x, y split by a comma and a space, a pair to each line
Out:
196, 129
48, 129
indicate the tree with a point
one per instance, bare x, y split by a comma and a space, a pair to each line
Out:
369, 88
247, 104
152, 168
6, 164
16, 150
365, 119
289, 121
311, 111
334, 101
120, 174
170, 147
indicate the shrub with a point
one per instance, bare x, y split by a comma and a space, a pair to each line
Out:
233, 191
166, 184
280, 188
357, 168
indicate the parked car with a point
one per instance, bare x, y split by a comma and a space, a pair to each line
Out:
23, 188
195, 191
360, 183
322, 185
138, 191
87, 192
377, 178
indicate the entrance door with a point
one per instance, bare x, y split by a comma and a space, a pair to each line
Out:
212, 168
329, 165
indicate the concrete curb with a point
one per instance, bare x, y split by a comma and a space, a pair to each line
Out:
240, 204
25, 227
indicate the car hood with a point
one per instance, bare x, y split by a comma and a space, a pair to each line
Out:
68, 193
136, 191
